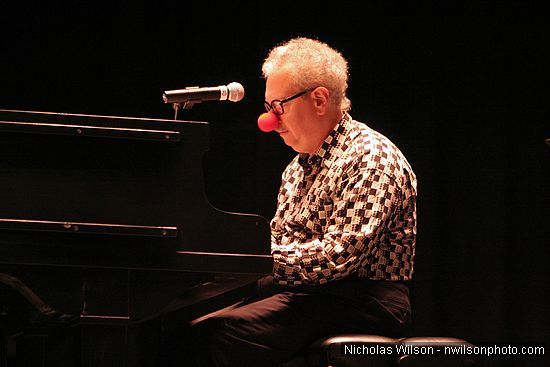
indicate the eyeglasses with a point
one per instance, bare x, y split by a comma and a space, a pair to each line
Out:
277, 104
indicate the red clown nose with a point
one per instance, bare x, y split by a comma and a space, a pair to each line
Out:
268, 121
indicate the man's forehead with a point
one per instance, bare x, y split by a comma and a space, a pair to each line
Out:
277, 86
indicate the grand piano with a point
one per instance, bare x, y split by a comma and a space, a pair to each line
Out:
107, 239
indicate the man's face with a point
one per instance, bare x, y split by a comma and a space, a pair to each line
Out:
298, 122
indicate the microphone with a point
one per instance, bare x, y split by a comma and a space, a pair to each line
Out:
233, 92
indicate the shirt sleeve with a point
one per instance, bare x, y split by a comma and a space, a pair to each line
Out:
362, 208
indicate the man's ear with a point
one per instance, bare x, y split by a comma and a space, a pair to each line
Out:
321, 97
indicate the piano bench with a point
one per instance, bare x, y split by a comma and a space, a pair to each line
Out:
362, 350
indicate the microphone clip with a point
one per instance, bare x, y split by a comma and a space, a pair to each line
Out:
187, 105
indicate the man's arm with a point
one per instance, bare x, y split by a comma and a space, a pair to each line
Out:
362, 209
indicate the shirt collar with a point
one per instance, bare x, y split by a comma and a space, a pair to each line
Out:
332, 148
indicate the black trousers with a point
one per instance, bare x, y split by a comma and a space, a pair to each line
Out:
276, 327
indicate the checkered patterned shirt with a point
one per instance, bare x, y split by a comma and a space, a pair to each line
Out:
350, 208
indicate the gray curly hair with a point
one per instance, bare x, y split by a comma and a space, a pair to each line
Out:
311, 64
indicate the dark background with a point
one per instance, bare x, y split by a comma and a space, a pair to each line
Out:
459, 87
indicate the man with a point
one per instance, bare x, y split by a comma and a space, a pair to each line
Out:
343, 236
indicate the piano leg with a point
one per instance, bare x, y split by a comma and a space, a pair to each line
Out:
117, 319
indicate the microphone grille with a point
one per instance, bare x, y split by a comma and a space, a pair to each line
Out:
236, 91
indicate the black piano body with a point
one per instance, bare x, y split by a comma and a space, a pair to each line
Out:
104, 229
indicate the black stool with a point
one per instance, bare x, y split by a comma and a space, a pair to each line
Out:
359, 350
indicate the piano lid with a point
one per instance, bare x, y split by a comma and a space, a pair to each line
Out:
90, 190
